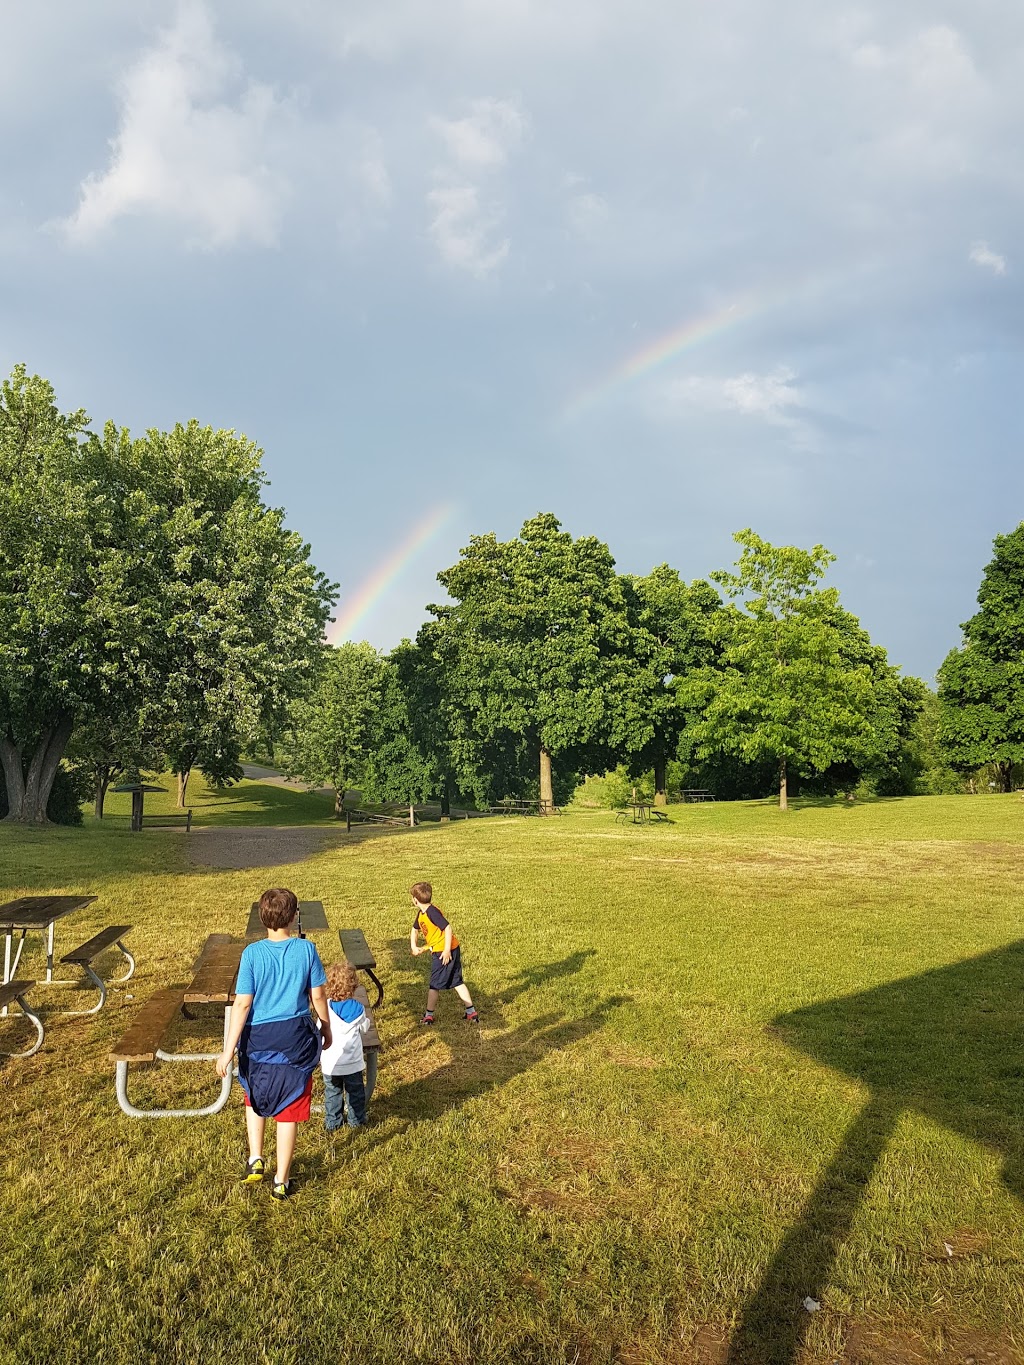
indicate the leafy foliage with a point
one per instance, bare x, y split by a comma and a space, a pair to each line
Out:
981, 685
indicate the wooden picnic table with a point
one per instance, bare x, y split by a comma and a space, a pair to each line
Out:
697, 794
312, 919
640, 813
527, 806
34, 914
357, 954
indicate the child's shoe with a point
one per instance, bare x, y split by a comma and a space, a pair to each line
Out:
254, 1171
472, 1015
428, 1017
281, 1190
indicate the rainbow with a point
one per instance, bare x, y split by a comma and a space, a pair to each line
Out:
659, 352
372, 589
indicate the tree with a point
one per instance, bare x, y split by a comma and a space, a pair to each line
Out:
981, 684
798, 681
535, 656
332, 728
406, 754
245, 608
674, 622
80, 584
106, 747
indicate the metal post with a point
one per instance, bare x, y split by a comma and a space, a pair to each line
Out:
412, 818
137, 810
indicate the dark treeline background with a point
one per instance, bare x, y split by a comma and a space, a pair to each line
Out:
155, 614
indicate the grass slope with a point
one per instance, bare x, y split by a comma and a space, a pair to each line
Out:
725, 1064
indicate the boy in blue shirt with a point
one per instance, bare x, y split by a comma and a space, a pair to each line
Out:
278, 1047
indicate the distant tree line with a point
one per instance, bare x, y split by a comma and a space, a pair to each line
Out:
546, 665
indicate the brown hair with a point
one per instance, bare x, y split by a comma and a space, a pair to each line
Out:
341, 981
422, 892
278, 907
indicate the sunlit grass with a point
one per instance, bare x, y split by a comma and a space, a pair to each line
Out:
607, 1168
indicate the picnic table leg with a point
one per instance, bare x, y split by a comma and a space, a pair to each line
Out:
370, 1058
121, 1086
8, 974
117, 980
29, 1013
100, 985
380, 988
49, 951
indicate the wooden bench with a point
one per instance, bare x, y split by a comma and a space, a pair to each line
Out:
213, 982
168, 821
358, 955
84, 955
369, 817
14, 992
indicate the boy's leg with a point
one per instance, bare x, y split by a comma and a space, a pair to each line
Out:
432, 1000
285, 1151
334, 1097
356, 1099
255, 1127
462, 991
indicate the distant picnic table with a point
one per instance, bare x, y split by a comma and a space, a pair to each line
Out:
697, 794
640, 813
515, 806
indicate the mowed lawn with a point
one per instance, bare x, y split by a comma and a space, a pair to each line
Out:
725, 1065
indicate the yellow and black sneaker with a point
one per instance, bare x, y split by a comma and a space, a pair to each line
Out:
254, 1171
280, 1190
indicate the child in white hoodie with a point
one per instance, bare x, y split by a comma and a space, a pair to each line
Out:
342, 1062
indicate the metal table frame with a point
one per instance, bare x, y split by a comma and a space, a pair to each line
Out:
35, 913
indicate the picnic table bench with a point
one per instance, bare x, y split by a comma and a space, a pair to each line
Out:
697, 794
14, 992
372, 817
357, 954
524, 807
85, 954
31, 914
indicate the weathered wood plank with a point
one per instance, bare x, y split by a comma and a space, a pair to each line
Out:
99, 943
356, 948
148, 1029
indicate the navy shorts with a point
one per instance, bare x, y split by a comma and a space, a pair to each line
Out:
443, 978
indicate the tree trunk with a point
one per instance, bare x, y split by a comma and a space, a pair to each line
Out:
1004, 776
547, 797
783, 793
31, 790
100, 791
182, 777
339, 802
660, 782
446, 800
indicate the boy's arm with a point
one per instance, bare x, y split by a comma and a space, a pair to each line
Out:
446, 956
240, 1008
318, 999
414, 947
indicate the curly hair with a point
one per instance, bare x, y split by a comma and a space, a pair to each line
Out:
341, 981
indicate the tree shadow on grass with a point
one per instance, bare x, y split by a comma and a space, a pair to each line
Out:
946, 1044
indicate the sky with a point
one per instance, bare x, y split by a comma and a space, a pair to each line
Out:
667, 269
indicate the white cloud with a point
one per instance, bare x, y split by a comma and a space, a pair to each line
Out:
185, 150
467, 209
485, 136
462, 229
772, 396
982, 254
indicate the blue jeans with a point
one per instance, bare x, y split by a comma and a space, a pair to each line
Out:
335, 1090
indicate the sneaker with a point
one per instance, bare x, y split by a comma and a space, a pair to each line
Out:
472, 1015
280, 1190
254, 1171
428, 1018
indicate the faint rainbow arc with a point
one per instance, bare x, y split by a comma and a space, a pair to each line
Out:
665, 348
373, 588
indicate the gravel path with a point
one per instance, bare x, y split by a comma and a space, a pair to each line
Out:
270, 845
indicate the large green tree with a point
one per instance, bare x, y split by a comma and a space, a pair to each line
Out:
798, 681
332, 729
81, 591
245, 608
535, 654
673, 635
981, 684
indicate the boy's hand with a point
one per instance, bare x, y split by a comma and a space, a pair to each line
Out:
446, 956
223, 1063
415, 949
325, 1036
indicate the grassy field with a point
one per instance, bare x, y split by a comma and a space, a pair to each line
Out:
725, 1065
243, 803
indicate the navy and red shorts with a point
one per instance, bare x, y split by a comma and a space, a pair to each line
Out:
442, 977
297, 1111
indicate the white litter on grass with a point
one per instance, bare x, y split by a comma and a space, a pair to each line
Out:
812, 1305
949, 1249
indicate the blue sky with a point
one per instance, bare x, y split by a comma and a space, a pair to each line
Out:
412, 250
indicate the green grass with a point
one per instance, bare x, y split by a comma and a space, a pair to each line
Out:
243, 803
724, 1064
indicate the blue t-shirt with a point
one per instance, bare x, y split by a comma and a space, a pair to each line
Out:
279, 973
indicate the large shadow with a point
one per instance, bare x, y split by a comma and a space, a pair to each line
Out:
946, 1044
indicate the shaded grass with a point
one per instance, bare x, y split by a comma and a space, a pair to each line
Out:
662, 1131
248, 802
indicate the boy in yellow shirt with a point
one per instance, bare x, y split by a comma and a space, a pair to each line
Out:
446, 957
